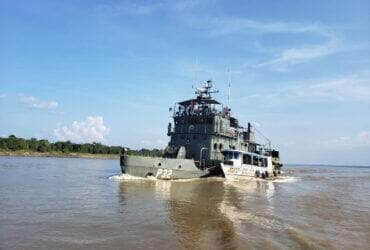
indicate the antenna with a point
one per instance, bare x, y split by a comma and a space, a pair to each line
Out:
229, 88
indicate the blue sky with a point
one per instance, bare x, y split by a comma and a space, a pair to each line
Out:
109, 70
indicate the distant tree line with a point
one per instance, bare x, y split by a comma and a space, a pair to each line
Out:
14, 143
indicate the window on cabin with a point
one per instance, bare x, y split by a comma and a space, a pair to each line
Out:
215, 146
236, 155
247, 159
228, 155
260, 162
255, 160
264, 162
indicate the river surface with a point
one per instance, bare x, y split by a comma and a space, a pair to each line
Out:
55, 203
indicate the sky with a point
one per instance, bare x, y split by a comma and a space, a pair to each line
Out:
107, 71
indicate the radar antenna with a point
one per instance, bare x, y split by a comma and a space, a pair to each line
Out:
206, 90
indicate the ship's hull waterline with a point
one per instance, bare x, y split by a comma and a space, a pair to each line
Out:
161, 168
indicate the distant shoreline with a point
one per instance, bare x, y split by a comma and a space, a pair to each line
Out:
23, 153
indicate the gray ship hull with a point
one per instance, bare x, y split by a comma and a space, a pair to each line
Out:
161, 168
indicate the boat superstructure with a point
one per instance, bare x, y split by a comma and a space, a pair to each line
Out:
239, 163
202, 130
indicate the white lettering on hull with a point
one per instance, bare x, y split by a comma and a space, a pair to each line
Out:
164, 174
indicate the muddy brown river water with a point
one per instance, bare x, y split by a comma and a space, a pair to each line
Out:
54, 203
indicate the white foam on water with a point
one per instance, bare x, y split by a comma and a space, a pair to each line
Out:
282, 179
199, 179
121, 177
249, 183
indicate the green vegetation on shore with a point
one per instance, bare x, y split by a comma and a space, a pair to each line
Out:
15, 146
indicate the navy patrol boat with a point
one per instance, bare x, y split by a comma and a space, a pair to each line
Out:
202, 143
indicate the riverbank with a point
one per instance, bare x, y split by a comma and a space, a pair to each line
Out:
25, 153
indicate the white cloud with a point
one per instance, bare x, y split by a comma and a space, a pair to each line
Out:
283, 59
92, 129
294, 56
222, 26
348, 88
352, 87
361, 139
33, 102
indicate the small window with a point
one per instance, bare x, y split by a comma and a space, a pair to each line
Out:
228, 155
264, 162
247, 159
255, 160
260, 162
215, 146
221, 146
236, 155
